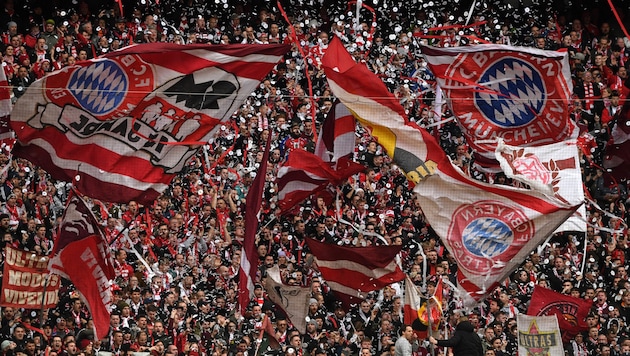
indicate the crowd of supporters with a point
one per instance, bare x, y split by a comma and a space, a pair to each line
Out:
177, 260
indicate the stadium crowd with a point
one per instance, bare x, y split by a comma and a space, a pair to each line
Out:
178, 260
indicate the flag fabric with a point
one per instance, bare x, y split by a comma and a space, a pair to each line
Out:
5, 107
352, 272
413, 303
305, 173
124, 124
538, 335
553, 169
266, 330
293, 300
249, 256
617, 158
82, 255
497, 91
430, 313
337, 135
26, 282
489, 229
571, 311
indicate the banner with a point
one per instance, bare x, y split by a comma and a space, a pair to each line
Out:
490, 229
571, 312
82, 255
293, 300
24, 281
538, 335
121, 126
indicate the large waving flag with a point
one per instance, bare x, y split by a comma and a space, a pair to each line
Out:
82, 255
490, 229
127, 122
352, 272
496, 91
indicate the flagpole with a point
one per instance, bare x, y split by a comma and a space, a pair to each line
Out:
430, 326
41, 311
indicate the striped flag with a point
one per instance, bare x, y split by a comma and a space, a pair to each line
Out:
413, 302
5, 107
337, 135
489, 229
124, 124
352, 272
304, 174
496, 91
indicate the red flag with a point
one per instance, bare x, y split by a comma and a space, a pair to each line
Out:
352, 272
571, 311
617, 157
515, 93
127, 122
82, 255
267, 329
304, 174
249, 257
337, 134
5, 108
490, 229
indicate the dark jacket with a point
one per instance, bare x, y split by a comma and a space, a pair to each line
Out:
465, 341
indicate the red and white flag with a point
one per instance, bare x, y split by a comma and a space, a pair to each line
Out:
496, 91
249, 256
553, 169
617, 158
124, 124
413, 302
489, 229
5, 106
337, 135
304, 174
82, 255
352, 272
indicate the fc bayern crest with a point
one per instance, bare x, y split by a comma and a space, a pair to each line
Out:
516, 96
488, 233
103, 87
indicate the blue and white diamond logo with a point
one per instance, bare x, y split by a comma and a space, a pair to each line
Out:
100, 87
514, 93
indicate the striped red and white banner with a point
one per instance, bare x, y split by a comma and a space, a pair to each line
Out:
353, 272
